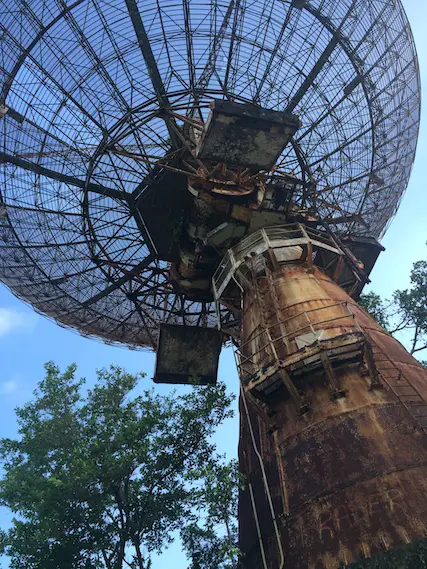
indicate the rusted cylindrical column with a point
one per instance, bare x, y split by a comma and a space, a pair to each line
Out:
348, 478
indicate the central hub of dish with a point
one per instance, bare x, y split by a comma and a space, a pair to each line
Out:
234, 154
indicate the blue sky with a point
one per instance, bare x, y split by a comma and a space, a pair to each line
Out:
28, 340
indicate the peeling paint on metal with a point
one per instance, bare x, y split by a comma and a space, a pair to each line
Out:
349, 478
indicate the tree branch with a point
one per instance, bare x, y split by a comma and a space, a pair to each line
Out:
403, 324
123, 529
139, 554
106, 560
230, 540
415, 340
419, 349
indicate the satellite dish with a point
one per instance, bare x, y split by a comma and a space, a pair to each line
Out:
111, 112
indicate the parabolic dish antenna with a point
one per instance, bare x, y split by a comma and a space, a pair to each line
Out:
108, 109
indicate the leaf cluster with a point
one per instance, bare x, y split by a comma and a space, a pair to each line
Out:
377, 308
211, 537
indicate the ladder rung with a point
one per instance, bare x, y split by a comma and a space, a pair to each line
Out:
419, 410
410, 398
413, 401
422, 421
391, 375
396, 382
405, 390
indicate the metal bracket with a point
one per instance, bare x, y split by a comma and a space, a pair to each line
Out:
293, 392
336, 392
299, 4
264, 411
371, 367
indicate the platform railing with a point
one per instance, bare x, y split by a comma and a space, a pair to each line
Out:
276, 237
271, 344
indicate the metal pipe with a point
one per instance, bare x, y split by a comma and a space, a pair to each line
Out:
264, 477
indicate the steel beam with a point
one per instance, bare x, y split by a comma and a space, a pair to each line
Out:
209, 69
232, 40
66, 179
337, 38
275, 50
150, 62
119, 282
311, 77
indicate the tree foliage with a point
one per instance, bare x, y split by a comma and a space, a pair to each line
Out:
100, 479
406, 312
376, 307
211, 537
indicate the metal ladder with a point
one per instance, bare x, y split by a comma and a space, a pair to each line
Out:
395, 379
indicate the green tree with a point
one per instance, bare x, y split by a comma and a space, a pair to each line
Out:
100, 479
406, 312
211, 537
376, 307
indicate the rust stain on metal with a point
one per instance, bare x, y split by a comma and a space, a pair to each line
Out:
349, 477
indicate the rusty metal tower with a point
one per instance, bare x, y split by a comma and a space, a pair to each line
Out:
179, 174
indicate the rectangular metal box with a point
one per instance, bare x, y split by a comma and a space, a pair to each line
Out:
246, 135
188, 355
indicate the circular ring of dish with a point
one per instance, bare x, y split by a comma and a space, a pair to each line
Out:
76, 77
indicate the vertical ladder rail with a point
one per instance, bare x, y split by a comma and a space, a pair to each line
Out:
416, 406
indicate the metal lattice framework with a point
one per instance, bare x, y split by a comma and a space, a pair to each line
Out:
81, 85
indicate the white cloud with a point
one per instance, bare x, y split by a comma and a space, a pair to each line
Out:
15, 321
8, 387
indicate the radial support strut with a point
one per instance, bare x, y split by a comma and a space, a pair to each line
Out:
59, 177
150, 62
